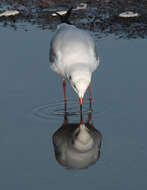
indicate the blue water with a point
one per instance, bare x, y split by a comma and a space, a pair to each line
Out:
27, 159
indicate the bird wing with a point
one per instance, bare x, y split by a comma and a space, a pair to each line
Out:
52, 54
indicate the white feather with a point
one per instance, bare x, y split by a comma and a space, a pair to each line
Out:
73, 49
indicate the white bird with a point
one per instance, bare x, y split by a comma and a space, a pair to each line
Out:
73, 56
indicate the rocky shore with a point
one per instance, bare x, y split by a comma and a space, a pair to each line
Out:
101, 16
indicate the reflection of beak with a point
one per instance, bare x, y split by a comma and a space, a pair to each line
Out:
81, 100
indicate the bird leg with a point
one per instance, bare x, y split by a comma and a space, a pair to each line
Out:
90, 97
65, 115
64, 87
81, 117
89, 117
81, 102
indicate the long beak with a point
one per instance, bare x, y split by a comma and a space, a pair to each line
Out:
81, 101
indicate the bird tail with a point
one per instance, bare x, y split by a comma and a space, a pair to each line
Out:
64, 18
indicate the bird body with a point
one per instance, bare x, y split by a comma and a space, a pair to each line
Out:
72, 48
73, 56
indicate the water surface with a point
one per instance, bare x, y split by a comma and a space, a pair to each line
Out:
27, 158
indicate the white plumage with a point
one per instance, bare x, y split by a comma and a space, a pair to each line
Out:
73, 56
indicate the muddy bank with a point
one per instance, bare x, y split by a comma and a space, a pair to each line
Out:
101, 17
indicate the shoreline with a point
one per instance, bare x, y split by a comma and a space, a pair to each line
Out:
100, 16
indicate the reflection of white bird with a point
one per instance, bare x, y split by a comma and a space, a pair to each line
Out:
73, 56
77, 146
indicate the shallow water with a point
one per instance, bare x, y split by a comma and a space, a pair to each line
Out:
27, 158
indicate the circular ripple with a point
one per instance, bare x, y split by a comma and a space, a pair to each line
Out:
56, 109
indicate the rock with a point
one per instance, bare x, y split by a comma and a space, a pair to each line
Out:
9, 13
128, 14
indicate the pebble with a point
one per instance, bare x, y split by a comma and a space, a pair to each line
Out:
9, 13
128, 14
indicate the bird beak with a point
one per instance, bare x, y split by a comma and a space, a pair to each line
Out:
81, 101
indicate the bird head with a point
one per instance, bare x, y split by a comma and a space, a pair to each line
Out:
80, 81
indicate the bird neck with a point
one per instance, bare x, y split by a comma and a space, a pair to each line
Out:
79, 67
77, 73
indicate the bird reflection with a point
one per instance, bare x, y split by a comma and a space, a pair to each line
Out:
77, 145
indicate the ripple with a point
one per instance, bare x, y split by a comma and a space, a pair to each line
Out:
56, 109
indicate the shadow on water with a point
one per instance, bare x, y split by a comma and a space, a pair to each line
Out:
101, 17
77, 145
